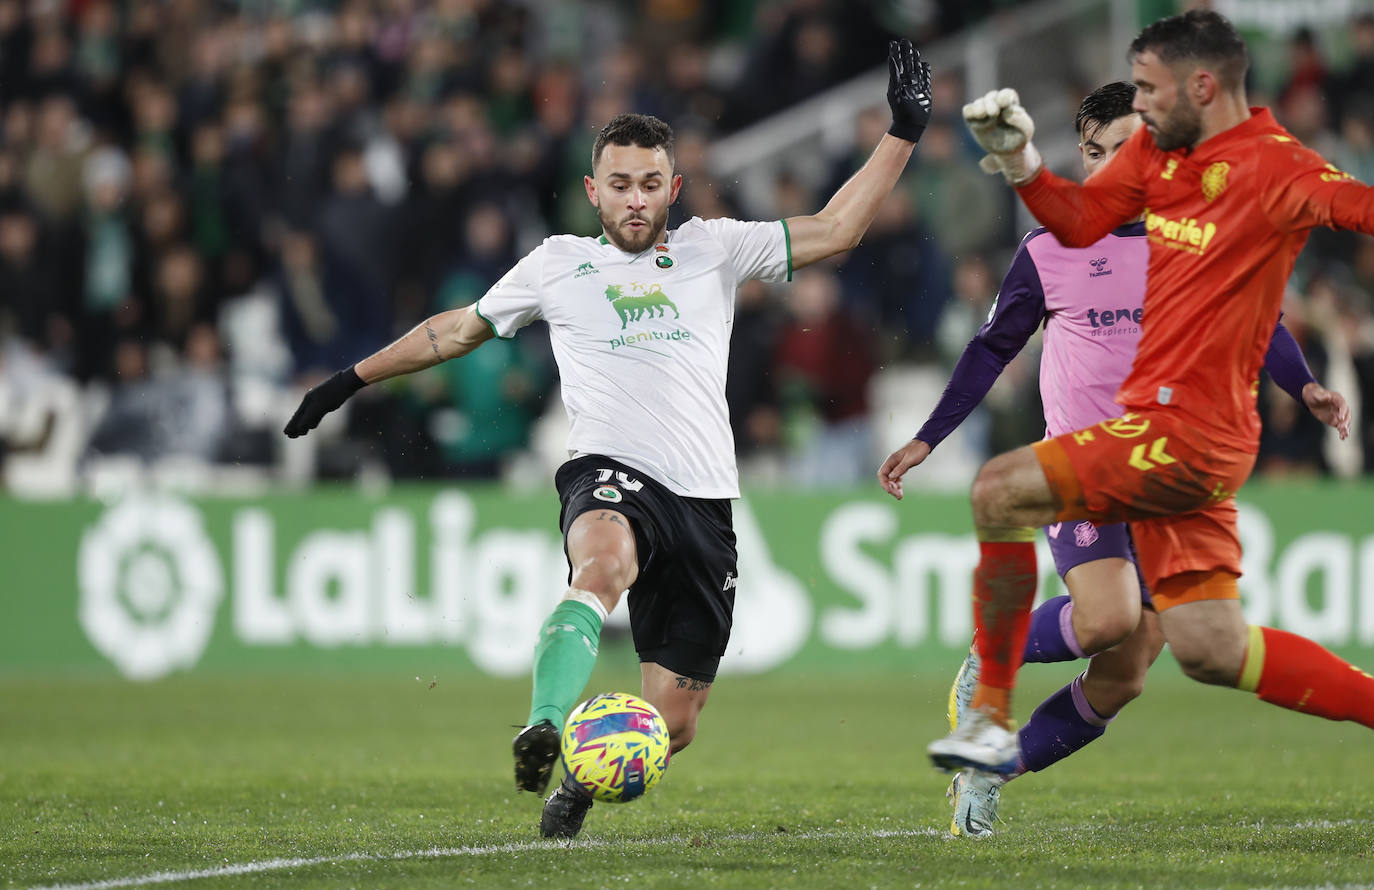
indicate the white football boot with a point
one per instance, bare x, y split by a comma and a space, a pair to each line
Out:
979, 742
961, 693
975, 795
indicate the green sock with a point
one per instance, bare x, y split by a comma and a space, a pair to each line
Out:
563, 660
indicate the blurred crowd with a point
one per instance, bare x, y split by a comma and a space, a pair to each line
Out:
205, 208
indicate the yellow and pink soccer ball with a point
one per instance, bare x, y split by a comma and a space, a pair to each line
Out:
615, 746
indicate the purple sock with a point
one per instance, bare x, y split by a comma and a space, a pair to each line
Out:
1062, 724
1051, 635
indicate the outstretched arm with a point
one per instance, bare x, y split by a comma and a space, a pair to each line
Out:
847, 215
438, 338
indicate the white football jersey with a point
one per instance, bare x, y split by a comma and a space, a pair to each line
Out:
642, 341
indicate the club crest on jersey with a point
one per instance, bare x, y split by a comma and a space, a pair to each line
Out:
1214, 180
663, 261
608, 493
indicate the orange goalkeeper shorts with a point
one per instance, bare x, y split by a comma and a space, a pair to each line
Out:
1172, 483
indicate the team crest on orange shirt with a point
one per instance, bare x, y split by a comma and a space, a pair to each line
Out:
1214, 180
1127, 426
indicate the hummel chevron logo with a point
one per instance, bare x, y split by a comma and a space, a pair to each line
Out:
1157, 455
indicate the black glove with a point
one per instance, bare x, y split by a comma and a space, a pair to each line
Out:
320, 400
908, 90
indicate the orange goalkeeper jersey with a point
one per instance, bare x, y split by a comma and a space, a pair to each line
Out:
1225, 222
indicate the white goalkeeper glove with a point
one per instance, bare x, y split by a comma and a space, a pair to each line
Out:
1003, 129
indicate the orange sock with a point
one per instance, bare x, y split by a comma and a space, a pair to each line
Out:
1295, 673
996, 702
1003, 590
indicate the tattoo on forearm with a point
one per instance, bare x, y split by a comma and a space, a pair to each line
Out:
692, 685
433, 341
613, 517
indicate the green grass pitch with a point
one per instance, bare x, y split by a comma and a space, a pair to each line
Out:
795, 781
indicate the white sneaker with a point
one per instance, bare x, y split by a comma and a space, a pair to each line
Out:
978, 742
961, 692
975, 795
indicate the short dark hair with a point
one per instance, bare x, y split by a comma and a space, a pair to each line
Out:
1198, 35
1102, 106
642, 130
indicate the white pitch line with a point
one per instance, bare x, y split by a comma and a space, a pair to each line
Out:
266, 865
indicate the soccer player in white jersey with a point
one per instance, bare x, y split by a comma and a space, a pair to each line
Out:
640, 322
1089, 301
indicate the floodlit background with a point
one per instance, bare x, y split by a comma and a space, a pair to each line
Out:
206, 207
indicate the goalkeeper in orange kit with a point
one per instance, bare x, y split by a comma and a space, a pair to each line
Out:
1229, 197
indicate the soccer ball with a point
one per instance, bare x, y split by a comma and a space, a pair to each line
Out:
615, 746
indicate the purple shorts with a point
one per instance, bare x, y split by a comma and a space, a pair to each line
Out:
1078, 541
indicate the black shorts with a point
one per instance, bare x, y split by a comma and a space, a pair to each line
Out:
682, 603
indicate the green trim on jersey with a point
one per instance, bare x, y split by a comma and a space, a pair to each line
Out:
478, 309
787, 238
603, 240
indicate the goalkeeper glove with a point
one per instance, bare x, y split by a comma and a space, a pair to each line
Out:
1003, 128
321, 399
908, 90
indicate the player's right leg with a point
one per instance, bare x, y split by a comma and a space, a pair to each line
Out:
1011, 497
602, 537
601, 551
1100, 610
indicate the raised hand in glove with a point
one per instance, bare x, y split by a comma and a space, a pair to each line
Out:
908, 90
319, 400
1003, 128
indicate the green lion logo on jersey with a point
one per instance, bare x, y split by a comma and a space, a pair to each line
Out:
632, 306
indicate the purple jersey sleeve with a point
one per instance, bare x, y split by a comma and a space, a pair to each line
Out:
1018, 311
1285, 363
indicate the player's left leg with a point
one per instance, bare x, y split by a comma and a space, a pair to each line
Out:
1214, 644
678, 697
1196, 559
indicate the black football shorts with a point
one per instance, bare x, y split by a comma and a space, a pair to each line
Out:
682, 603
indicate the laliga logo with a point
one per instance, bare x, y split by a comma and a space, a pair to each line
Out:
150, 583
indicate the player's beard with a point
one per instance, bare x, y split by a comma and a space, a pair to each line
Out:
1182, 128
626, 238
